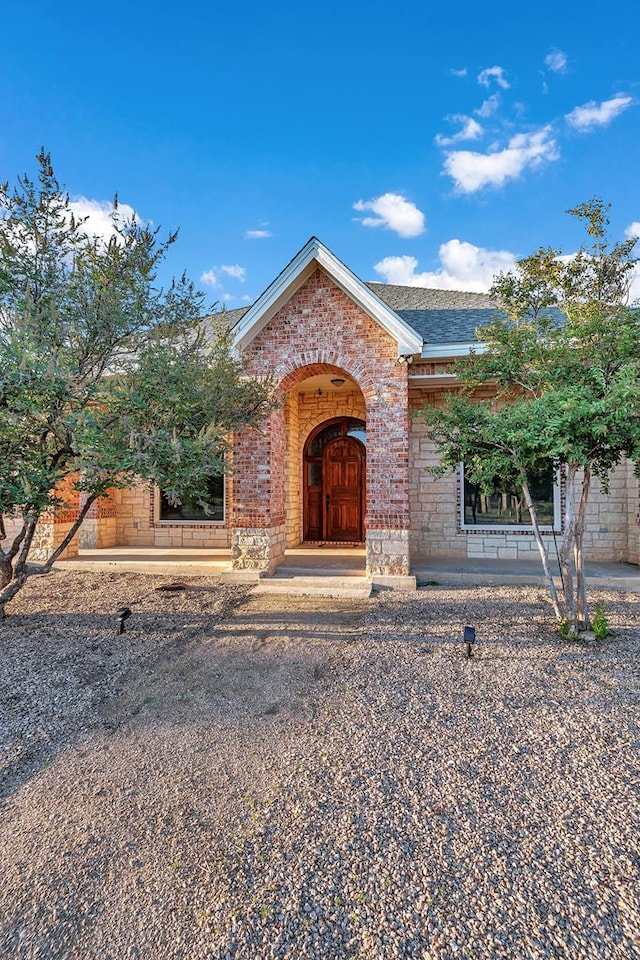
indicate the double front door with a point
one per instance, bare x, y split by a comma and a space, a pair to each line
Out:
334, 492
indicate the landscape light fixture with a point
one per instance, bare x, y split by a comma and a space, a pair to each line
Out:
338, 381
123, 614
469, 639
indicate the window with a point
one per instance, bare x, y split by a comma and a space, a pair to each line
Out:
190, 511
340, 427
505, 506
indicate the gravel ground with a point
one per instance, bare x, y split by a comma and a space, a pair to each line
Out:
257, 777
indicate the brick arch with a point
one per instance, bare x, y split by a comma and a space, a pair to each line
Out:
299, 369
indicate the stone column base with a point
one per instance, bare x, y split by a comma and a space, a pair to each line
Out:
259, 549
387, 553
46, 539
96, 534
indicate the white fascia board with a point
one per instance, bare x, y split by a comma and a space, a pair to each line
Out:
294, 275
438, 351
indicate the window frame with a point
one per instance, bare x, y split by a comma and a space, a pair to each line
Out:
505, 528
157, 519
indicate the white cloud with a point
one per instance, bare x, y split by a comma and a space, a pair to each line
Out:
556, 61
213, 276
488, 106
100, 216
463, 266
592, 114
633, 230
472, 171
210, 277
493, 73
258, 234
462, 72
470, 130
235, 271
394, 212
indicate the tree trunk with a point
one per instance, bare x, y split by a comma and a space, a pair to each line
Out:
544, 556
91, 499
7, 556
578, 552
6, 571
18, 574
566, 550
12, 579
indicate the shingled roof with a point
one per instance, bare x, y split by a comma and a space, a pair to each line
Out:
439, 316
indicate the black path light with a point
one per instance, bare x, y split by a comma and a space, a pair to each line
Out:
123, 614
469, 639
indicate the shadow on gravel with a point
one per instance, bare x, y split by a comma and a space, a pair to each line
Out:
69, 676
60, 670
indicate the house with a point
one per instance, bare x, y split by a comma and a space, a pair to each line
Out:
342, 459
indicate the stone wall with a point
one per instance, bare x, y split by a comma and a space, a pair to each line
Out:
435, 515
100, 526
293, 472
608, 519
258, 548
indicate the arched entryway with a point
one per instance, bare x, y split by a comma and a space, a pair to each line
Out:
334, 481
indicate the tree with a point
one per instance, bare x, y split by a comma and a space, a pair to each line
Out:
105, 378
562, 360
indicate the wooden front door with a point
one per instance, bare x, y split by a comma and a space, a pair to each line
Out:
342, 468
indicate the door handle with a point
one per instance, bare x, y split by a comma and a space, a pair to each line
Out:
328, 500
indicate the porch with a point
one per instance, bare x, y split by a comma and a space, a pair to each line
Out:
336, 563
321, 560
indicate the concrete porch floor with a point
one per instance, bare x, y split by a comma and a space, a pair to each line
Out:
329, 560
160, 560
314, 559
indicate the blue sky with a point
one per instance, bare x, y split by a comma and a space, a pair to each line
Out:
423, 143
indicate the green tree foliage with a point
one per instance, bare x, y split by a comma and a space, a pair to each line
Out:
562, 362
104, 377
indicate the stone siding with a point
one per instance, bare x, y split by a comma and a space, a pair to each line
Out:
136, 525
435, 514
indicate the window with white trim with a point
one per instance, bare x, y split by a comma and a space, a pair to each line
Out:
504, 507
190, 510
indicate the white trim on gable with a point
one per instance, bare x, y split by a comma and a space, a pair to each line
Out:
314, 253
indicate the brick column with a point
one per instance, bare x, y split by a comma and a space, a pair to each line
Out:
387, 517
258, 531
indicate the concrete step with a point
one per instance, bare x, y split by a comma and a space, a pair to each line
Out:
344, 588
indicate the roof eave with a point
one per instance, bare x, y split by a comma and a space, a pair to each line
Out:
437, 351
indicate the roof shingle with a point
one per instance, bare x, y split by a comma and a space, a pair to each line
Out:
439, 316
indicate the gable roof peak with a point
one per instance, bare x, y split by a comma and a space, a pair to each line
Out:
314, 253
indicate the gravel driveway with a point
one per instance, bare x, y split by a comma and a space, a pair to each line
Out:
257, 777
